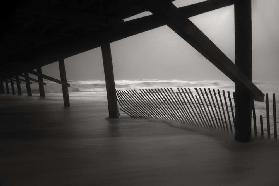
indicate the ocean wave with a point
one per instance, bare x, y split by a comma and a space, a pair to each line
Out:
98, 86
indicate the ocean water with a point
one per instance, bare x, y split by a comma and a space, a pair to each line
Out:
95, 89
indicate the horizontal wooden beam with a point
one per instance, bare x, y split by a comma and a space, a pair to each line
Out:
198, 40
70, 46
34, 80
48, 78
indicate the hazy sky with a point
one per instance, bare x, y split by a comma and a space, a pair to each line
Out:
161, 54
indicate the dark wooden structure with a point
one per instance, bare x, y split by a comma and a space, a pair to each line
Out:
110, 84
42, 32
64, 83
41, 83
18, 86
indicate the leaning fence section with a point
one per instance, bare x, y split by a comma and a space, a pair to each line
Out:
198, 107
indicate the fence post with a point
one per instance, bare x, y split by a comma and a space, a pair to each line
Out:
267, 115
274, 116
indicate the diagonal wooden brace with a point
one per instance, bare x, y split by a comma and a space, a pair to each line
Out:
197, 39
49, 78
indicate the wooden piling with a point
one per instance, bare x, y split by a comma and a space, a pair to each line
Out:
27, 83
243, 60
267, 115
2, 87
262, 129
12, 87
64, 82
18, 86
7, 87
109, 78
274, 116
41, 83
255, 120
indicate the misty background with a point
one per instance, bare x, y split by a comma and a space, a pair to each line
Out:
161, 54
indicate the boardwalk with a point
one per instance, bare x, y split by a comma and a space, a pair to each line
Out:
44, 144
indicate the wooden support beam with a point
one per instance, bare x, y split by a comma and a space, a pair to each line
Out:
243, 60
19, 92
67, 46
7, 87
203, 7
2, 87
12, 86
28, 87
20, 79
41, 83
64, 83
110, 84
197, 39
48, 78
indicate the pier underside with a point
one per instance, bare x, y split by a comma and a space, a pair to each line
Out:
44, 144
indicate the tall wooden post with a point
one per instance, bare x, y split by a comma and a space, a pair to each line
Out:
18, 86
28, 87
63, 78
2, 87
12, 87
7, 87
243, 60
41, 83
110, 84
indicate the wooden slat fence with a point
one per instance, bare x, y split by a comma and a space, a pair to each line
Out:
198, 107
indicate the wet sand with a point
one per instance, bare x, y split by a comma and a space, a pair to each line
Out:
43, 144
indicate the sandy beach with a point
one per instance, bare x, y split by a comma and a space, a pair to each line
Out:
41, 143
